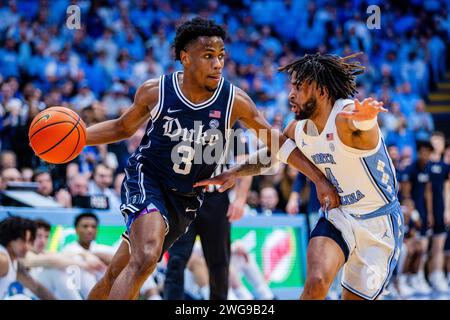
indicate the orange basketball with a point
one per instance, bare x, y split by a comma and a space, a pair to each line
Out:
57, 135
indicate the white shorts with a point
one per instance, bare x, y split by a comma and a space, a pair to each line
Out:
374, 242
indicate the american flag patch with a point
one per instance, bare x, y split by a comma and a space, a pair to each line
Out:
214, 114
330, 137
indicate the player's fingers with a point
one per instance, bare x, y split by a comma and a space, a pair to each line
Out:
335, 202
207, 182
357, 104
227, 185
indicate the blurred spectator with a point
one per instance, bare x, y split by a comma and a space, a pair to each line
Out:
116, 100
402, 137
78, 185
27, 174
100, 185
9, 62
268, 201
86, 249
16, 238
421, 122
84, 98
45, 188
10, 175
407, 98
416, 185
8, 160
107, 45
243, 265
53, 270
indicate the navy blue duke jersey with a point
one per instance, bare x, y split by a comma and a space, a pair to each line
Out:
439, 174
184, 141
418, 177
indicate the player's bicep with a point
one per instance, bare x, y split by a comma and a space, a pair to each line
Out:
145, 100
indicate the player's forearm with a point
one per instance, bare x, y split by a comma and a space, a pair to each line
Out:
299, 161
106, 258
242, 188
37, 288
43, 293
106, 132
257, 163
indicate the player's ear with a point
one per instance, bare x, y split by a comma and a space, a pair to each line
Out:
184, 58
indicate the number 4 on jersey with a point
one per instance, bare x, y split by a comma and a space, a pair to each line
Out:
333, 180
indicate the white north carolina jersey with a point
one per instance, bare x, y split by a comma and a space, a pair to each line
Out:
10, 276
365, 179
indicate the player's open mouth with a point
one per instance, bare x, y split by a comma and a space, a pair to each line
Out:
294, 108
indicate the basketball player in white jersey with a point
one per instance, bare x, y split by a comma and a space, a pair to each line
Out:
16, 236
342, 138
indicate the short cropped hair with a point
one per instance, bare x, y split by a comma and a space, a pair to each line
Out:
193, 29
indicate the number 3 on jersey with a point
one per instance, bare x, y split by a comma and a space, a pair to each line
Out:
186, 160
333, 180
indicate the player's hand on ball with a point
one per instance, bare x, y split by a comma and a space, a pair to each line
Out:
366, 110
327, 195
226, 180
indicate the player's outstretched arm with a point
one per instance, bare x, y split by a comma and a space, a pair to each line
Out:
124, 127
37, 288
357, 124
245, 110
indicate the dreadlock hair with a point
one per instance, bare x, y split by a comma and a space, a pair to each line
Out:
192, 29
331, 73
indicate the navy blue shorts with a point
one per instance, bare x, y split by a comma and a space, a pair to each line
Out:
142, 194
438, 226
325, 228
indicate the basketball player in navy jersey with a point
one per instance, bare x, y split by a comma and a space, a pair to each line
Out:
213, 226
439, 177
416, 185
189, 114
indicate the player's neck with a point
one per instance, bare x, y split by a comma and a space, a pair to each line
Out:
320, 117
191, 90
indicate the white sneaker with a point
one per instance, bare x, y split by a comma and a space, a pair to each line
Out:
405, 290
391, 292
438, 281
419, 284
